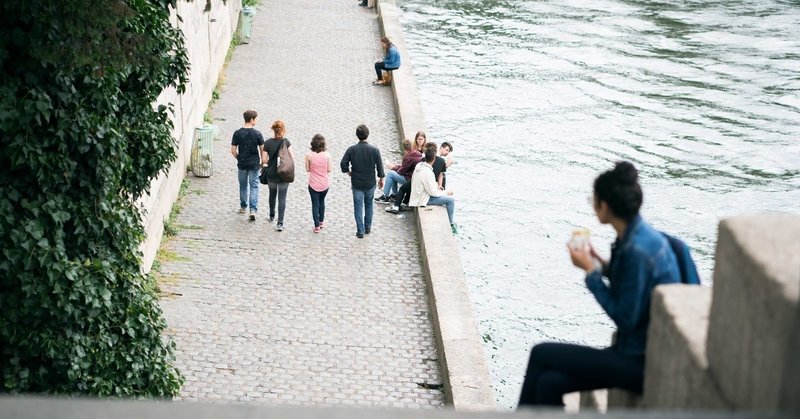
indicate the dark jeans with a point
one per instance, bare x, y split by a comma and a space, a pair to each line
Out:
278, 190
317, 205
555, 369
381, 66
403, 194
362, 208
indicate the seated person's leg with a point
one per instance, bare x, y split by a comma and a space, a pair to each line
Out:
555, 369
403, 194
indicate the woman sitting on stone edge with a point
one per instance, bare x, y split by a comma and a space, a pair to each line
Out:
391, 60
641, 259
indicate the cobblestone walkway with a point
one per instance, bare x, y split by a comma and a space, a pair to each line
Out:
295, 317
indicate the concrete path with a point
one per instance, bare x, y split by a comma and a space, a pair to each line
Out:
295, 317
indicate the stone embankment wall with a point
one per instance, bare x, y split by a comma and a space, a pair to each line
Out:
208, 32
462, 359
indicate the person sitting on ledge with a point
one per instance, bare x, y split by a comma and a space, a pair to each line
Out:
425, 190
391, 60
439, 167
400, 174
641, 259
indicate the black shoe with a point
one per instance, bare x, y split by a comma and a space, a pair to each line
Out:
360, 235
363, 4
367, 230
272, 218
383, 199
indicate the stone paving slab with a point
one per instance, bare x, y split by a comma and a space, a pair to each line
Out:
295, 317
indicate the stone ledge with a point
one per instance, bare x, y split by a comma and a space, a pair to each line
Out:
676, 367
466, 377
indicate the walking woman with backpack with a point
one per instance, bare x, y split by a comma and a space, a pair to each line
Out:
641, 259
278, 187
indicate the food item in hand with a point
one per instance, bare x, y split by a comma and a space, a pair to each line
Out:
580, 239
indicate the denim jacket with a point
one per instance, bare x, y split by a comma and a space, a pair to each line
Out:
392, 59
640, 260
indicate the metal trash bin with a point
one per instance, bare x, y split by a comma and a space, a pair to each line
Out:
246, 28
202, 151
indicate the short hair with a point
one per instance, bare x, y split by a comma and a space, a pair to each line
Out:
448, 145
279, 128
318, 143
407, 144
430, 155
249, 115
362, 132
430, 146
620, 189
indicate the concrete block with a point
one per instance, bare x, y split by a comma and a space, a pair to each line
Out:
676, 367
617, 399
754, 334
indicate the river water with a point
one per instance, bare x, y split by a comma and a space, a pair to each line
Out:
538, 97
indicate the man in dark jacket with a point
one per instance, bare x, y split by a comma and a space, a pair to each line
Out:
361, 162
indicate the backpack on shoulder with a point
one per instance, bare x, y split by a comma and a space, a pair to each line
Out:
686, 266
285, 165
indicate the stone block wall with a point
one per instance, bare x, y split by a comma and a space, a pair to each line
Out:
754, 326
207, 34
735, 346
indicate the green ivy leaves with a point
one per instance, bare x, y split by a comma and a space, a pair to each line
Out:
80, 140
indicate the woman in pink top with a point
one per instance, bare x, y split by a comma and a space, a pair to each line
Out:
318, 165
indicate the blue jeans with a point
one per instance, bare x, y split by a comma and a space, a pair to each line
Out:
248, 178
362, 208
446, 201
317, 205
393, 183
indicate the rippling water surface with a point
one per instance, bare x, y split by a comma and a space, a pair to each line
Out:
538, 97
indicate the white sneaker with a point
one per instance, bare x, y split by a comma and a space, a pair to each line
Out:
393, 209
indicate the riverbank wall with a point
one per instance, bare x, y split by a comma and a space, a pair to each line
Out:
208, 28
466, 376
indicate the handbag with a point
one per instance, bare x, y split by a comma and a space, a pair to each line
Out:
285, 164
263, 176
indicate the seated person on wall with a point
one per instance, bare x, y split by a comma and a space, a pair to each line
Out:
425, 190
400, 174
391, 60
439, 167
641, 259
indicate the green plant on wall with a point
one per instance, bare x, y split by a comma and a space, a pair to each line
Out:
81, 140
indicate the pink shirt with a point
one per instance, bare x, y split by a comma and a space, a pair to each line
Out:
318, 171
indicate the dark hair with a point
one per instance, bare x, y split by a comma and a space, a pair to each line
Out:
386, 41
318, 143
430, 146
448, 145
279, 128
362, 132
249, 115
619, 188
430, 155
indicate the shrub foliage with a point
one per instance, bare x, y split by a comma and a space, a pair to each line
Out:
80, 141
